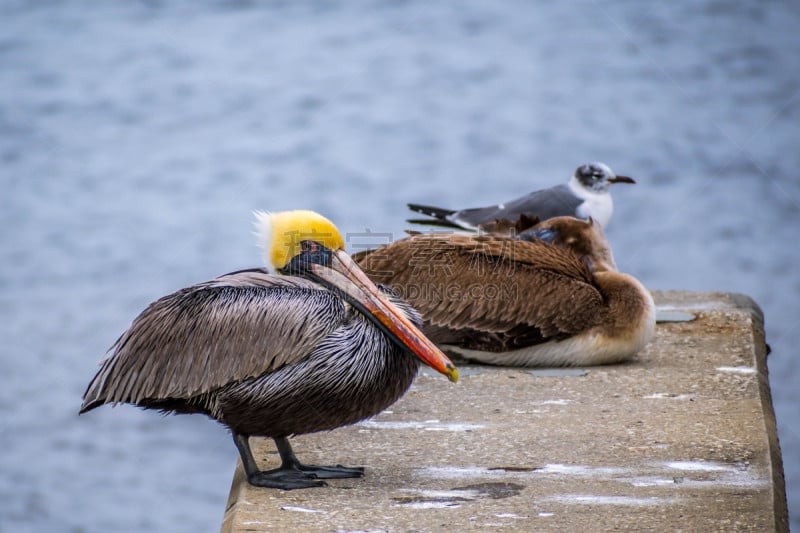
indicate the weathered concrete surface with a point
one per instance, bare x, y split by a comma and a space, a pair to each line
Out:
681, 439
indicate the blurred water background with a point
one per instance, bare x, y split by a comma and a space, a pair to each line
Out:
136, 138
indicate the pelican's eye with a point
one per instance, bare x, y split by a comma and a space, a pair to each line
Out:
311, 252
310, 247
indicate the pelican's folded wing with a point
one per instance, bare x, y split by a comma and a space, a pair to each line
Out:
205, 336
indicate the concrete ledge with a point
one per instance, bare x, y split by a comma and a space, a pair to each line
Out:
682, 438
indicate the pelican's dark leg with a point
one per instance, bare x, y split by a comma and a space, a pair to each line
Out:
289, 461
285, 477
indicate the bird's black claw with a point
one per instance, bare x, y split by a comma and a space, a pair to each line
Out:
332, 472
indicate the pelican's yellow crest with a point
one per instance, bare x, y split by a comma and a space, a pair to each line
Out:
280, 234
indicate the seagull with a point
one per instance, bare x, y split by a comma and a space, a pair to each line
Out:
307, 344
585, 195
552, 296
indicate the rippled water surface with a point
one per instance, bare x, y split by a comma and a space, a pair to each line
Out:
136, 139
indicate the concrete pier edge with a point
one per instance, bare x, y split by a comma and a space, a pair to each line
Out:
761, 351
682, 438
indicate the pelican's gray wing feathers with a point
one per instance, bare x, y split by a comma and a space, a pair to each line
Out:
203, 337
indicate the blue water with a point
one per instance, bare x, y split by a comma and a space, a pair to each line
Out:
136, 139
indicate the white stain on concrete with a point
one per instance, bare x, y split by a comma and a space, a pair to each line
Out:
667, 396
430, 505
455, 472
652, 481
737, 369
582, 470
595, 499
427, 425
700, 466
671, 475
444, 494
302, 509
461, 472
438, 499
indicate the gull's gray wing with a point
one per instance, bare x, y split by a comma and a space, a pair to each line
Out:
546, 203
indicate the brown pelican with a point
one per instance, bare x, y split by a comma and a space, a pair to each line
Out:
312, 349
520, 302
585, 195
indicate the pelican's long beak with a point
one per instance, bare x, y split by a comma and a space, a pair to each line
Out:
622, 179
346, 276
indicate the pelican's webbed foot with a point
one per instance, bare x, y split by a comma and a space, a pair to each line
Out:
292, 474
289, 461
282, 478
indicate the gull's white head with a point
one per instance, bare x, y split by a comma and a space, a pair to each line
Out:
598, 177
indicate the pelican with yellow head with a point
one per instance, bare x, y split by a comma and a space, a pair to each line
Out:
306, 344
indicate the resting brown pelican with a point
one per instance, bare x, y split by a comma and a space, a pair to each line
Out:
585, 195
312, 349
520, 302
